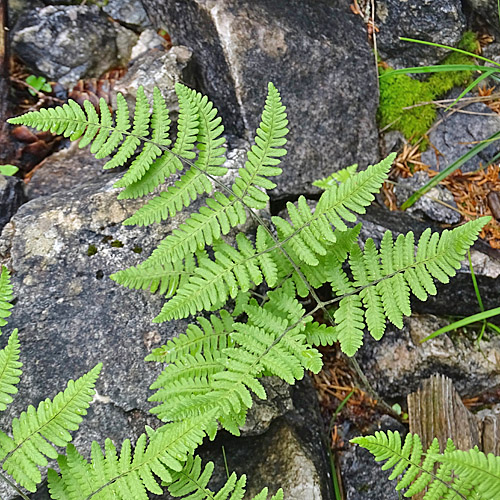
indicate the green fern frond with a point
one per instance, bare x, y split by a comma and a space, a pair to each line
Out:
6, 295
479, 470
212, 336
167, 164
214, 280
37, 431
222, 212
264, 155
160, 125
461, 474
165, 278
191, 483
218, 217
388, 276
130, 473
336, 177
10, 370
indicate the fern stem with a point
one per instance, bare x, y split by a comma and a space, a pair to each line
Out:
13, 486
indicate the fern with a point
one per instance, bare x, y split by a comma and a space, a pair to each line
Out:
460, 474
163, 456
214, 370
6, 295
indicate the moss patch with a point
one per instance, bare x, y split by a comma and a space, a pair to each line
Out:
401, 91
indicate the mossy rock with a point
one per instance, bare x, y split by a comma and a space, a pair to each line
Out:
400, 92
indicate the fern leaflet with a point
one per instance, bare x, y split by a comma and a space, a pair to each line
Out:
6, 295
35, 430
10, 370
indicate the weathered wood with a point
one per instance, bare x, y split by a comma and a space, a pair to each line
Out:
436, 410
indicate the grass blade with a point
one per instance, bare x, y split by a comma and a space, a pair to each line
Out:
474, 282
469, 87
447, 171
463, 322
460, 51
441, 68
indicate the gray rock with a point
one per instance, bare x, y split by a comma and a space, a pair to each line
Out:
458, 133
362, 477
83, 42
440, 22
436, 204
396, 364
12, 196
148, 39
130, 13
18, 7
156, 68
317, 55
65, 170
488, 10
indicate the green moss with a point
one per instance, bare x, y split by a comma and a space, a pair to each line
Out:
116, 244
401, 91
91, 250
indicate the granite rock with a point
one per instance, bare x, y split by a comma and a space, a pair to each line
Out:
12, 196
397, 363
315, 52
83, 42
130, 13
458, 133
438, 204
156, 68
441, 22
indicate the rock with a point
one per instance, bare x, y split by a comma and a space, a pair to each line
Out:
83, 42
18, 7
488, 10
12, 196
148, 39
65, 170
156, 68
396, 364
131, 13
362, 477
317, 55
443, 22
458, 133
432, 204
61, 250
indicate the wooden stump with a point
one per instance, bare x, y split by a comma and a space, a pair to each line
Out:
436, 410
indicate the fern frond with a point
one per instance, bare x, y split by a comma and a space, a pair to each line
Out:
307, 232
10, 370
272, 341
165, 278
6, 295
130, 473
160, 125
37, 431
191, 483
168, 163
191, 184
388, 276
212, 336
232, 270
481, 471
264, 155
220, 214
461, 474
